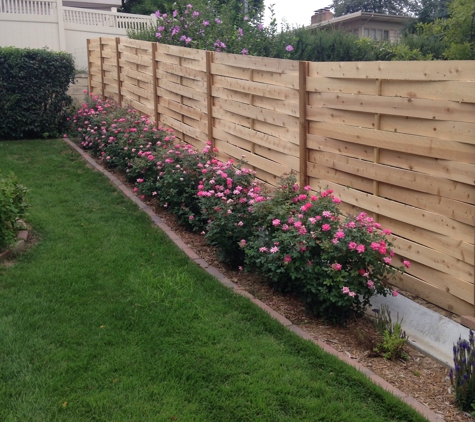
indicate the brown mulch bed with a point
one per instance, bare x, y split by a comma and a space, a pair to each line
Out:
419, 376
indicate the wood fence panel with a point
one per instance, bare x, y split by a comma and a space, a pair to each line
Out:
256, 112
182, 90
135, 70
397, 140
393, 139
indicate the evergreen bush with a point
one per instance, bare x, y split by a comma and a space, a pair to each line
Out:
33, 98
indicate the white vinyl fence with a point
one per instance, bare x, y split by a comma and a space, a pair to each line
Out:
46, 23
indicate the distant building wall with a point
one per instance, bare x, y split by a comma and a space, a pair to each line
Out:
363, 24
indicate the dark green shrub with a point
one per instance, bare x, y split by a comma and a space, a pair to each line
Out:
327, 45
432, 45
12, 207
33, 99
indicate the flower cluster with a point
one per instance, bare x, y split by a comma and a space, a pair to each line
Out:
227, 194
217, 27
123, 138
463, 374
336, 263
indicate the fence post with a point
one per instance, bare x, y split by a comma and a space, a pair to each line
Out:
303, 72
89, 76
209, 86
102, 69
377, 126
117, 61
154, 84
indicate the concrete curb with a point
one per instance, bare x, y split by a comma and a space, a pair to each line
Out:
376, 379
428, 331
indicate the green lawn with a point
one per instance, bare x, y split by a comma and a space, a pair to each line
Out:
105, 319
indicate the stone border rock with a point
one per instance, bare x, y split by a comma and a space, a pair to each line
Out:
376, 379
19, 245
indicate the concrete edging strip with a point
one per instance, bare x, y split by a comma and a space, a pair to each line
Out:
376, 379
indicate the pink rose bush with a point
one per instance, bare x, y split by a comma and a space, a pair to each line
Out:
337, 263
149, 157
227, 194
298, 240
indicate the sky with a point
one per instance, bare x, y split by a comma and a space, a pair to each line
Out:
294, 11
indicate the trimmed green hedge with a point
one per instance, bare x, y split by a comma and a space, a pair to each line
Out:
33, 86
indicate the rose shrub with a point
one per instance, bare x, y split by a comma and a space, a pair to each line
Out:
304, 244
298, 240
226, 195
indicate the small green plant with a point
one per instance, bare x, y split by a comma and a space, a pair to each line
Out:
393, 337
12, 207
463, 374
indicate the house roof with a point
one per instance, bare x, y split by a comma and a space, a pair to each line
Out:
356, 16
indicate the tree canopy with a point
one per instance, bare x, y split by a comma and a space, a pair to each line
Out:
430, 10
456, 33
391, 7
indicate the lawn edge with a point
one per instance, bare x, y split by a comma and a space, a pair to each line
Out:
159, 222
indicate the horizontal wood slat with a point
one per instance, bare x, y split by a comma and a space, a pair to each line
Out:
419, 71
395, 176
397, 106
417, 145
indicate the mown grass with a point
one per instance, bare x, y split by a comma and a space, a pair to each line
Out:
104, 319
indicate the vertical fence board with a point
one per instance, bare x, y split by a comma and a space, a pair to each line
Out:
303, 158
